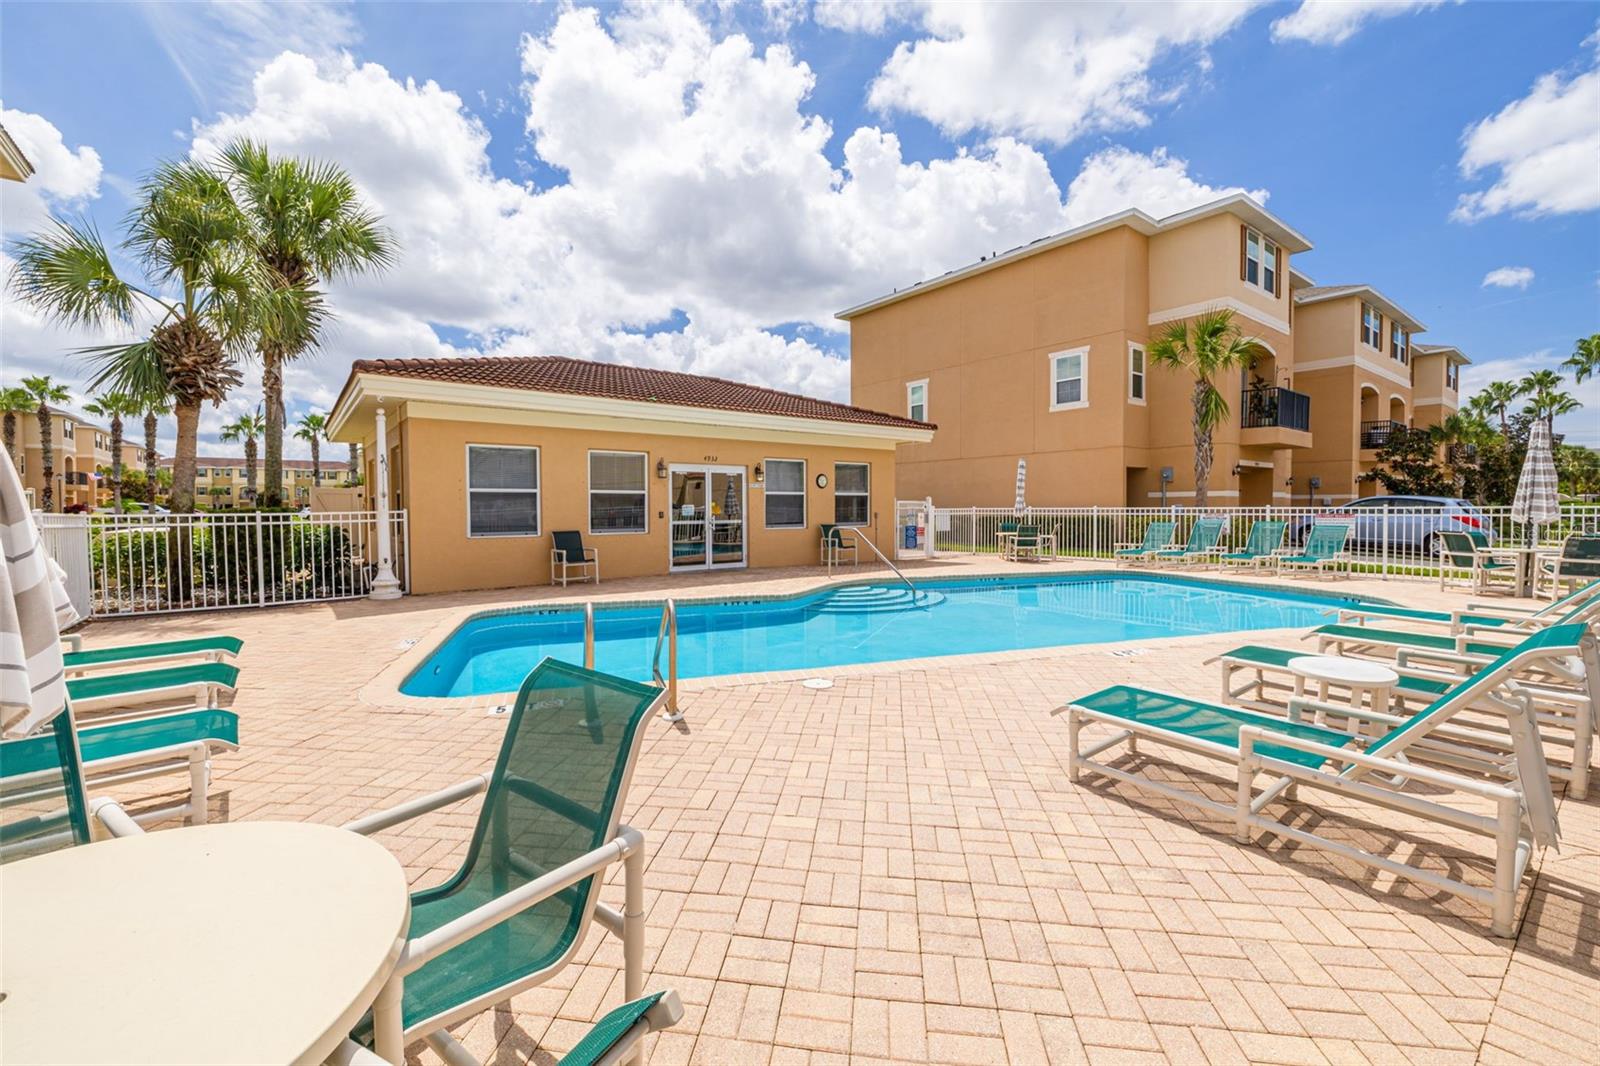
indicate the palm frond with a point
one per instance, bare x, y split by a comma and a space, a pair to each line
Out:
134, 369
66, 272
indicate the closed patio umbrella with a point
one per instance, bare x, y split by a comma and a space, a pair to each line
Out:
1536, 503
33, 610
1022, 484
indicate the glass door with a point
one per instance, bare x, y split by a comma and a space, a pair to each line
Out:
708, 517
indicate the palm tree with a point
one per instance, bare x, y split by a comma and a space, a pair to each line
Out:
1206, 346
13, 400
311, 428
115, 406
154, 407
189, 236
1497, 398
247, 428
43, 392
1545, 398
308, 225
1584, 362
353, 475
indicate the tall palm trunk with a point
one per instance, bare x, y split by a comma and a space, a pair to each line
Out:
187, 413
116, 463
250, 469
272, 394
1202, 447
47, 447
150, 428
11, 436
354, 473
316, 461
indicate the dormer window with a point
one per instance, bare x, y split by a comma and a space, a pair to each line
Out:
1260, 266
1399, 343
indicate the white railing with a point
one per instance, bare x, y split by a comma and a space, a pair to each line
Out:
147, 563
1398, 541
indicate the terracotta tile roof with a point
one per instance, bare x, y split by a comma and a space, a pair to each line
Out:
580, 377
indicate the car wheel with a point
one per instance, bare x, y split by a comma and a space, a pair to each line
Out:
1430, 546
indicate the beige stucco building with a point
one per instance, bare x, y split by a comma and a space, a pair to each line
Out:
662, 472
1040, 353
222, 481
80, 448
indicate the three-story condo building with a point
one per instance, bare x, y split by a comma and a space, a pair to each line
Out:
1041, 352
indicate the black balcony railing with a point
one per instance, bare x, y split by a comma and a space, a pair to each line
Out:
1377, 434
1264, 406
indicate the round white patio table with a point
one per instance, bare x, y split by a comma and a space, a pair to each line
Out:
1374, 680
250, 942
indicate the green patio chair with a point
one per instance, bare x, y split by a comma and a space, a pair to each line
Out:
1204, 536
835, 545
1468, 552
568, 555
1372, 769
209, 649
614, 1037
1028, 543
119, 752
518, 909
206, 681
1471, 643
1478, 614
1324, 550
47, 808
1157, 535
1578, 562
1261, 547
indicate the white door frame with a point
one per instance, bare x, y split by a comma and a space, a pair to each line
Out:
708, 469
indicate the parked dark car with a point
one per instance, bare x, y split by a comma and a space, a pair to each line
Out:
1408, 524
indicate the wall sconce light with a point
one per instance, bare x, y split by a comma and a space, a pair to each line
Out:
1288, 482
661, 468
761, 475
1237, 469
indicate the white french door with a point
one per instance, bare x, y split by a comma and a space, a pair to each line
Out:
708, 517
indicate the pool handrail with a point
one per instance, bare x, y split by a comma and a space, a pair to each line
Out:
840, 531
668, 633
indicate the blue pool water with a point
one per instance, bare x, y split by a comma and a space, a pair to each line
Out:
859, 624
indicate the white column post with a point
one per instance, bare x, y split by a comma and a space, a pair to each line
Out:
928, 548
385, 586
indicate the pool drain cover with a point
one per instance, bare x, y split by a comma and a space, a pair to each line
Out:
817, 683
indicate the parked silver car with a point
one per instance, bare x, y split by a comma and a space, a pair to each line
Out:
1407, 524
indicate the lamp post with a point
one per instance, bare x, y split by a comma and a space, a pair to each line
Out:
385, 586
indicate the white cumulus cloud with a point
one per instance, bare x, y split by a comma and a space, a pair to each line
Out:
1508, 278
64, 178
1336, 21
1115, 179
1542, 150
1042, 72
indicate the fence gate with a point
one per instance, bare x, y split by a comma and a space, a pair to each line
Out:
66, 538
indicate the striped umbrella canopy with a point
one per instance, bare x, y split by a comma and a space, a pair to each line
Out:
1022, 485
1536, 503
33, 610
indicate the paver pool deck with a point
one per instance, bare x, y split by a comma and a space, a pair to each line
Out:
897, 869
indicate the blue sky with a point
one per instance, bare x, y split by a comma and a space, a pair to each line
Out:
701, 187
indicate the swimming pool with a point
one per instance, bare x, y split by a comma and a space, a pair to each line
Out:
860, 623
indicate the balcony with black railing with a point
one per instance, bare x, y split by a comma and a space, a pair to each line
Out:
1376, 434
1266, 406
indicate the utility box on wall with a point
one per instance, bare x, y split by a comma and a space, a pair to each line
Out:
332, 498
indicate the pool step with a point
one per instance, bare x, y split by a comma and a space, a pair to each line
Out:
876, 599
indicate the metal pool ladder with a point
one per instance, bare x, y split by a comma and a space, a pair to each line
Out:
668, 634
859, 539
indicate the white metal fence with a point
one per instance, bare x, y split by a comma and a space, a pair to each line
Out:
1397, 541
147, 563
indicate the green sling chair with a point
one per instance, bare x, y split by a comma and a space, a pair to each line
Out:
1266, 537
1202, 544
517, 910
1157, 535
1323, 550
212, 649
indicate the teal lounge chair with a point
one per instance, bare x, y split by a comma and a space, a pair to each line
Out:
1566, 697
1261, 548
50, 808
1471, 642
1204, 537
518, 909
1578, 562
120, 752
1369, 769
1477, 614
208, 649
614, 1037
205, 680
1157, 536
1461, 551
1323, 551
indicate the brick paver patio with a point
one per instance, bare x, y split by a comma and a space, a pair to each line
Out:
897, 869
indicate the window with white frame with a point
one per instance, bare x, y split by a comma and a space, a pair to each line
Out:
917, 401
1371, 326
852, 493
1136, 373
1260, 262
1452, 376
617, 483
502, 491
1069, 384
1399, 342
786, 493
67, 428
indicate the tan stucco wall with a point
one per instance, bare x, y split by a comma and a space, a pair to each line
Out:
431, 484
984, 345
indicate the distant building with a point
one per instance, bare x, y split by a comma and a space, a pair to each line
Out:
220, 481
